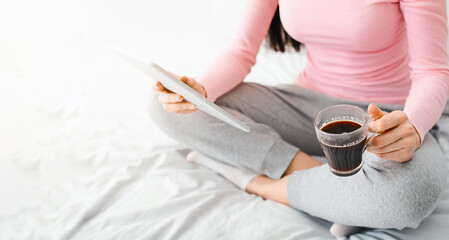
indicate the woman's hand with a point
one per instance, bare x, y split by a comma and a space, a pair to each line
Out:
397, 139
175, 103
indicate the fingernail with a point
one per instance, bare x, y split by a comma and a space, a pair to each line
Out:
192, 107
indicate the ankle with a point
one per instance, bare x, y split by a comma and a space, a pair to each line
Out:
268, 188
301, 161
254, 185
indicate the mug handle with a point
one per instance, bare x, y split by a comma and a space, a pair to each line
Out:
369, 139
370, 135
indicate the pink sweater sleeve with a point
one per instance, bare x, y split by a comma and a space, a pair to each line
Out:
235, 63
426, 24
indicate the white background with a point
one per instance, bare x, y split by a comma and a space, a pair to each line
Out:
73, 115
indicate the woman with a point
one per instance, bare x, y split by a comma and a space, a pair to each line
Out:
388, 52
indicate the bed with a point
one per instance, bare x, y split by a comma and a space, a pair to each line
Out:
80, 157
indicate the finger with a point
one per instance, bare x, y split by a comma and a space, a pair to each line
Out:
165, 98
194, 84
177, 107
186, 112
157, 86
389, 137
397, 145
374, 111
401, 155
388, 121
188, 81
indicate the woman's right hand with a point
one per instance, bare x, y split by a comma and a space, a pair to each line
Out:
175, 103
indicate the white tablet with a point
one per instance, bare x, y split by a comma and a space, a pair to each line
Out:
177, 86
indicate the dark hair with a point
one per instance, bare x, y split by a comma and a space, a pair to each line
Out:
277, 38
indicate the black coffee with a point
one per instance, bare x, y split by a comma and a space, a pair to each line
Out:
347, 157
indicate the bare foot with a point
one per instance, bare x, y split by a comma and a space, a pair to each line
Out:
269, 188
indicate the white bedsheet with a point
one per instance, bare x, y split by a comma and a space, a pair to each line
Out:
79, 157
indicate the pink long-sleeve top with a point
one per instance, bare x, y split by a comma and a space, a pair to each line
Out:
384, 51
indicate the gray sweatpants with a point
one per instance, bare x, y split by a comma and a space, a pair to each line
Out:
384, 194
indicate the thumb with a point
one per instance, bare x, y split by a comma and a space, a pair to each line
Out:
374, 112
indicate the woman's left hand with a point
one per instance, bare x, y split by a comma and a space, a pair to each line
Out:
397, 139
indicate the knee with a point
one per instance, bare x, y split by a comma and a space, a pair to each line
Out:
413, 201
182, 128
163, 119
425, 177
410, 190
155, 108
413, 197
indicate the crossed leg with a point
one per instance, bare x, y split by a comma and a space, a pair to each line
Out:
276, 189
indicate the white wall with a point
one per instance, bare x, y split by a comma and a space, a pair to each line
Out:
178, 34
